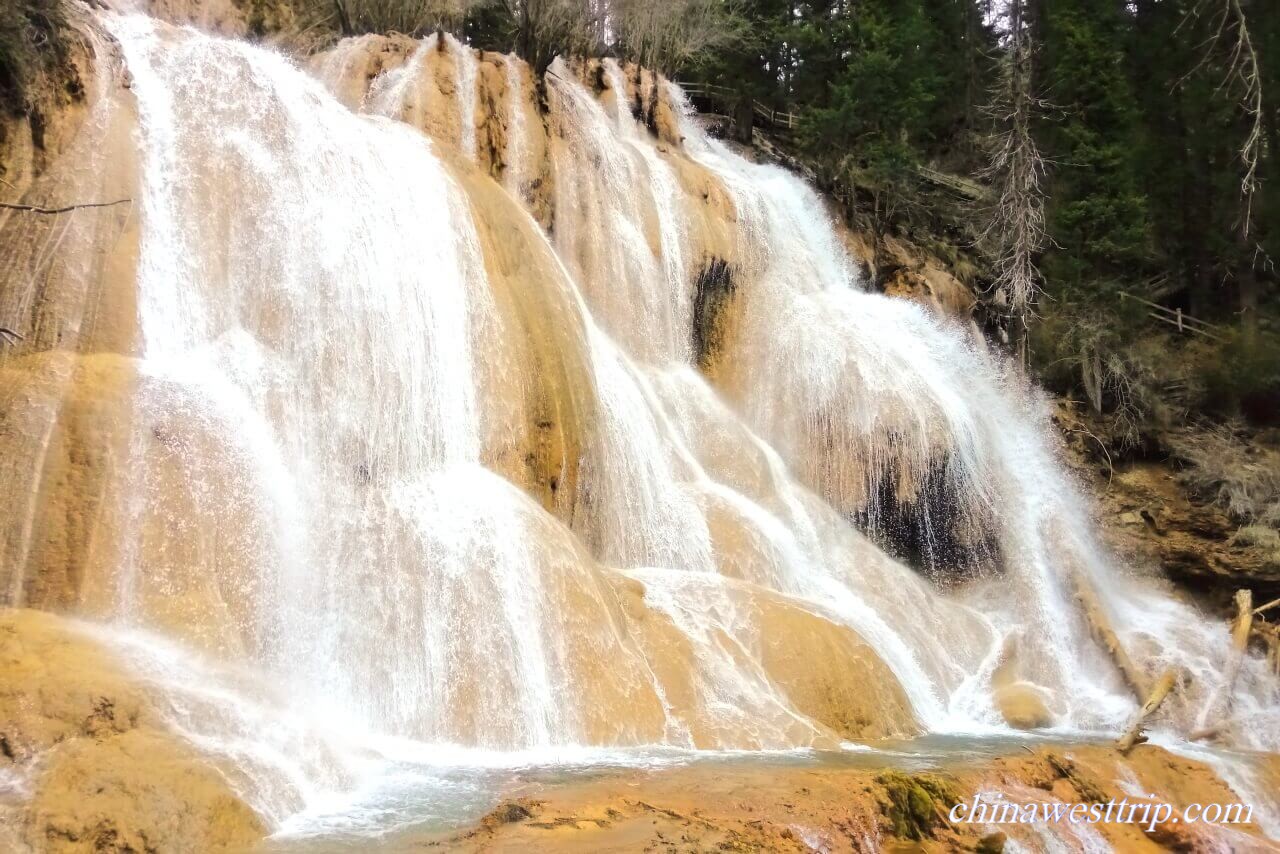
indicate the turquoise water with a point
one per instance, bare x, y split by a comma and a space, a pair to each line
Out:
409, 801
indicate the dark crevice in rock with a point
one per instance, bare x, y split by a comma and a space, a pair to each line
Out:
713, 292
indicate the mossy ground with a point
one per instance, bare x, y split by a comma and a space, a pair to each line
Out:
916, 802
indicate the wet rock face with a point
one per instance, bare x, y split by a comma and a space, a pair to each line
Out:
929, 527
1023, 706
712, 311
910, 273
105, 772
69, 422
123, 794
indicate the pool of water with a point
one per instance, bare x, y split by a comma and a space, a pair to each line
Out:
426, 793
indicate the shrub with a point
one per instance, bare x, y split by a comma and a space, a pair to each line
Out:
1259, 536
1119, 365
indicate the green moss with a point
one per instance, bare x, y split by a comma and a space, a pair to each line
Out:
915, 801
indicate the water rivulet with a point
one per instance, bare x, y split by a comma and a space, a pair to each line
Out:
464, 424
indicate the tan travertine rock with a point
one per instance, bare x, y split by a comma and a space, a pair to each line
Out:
1023, 705
746, 806
108, 776
139, 791
824, 670
87, 431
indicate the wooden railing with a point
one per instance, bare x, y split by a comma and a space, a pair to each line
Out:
777, 118
1175, 317
727, 99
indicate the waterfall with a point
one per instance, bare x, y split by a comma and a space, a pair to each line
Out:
656, 479
465, 70
397, 93
517, 133
624, 245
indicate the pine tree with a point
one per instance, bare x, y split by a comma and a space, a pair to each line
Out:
867, 71
1098, 215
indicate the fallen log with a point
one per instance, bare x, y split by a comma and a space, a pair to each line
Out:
1239, 643
1134, 735
1100, 628
1240, 628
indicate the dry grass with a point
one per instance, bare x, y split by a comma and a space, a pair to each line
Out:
1241, 477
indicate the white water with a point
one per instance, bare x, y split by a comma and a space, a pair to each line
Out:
517, 131
312, 292
465, 70
394, 93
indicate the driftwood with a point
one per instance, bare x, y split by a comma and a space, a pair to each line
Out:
1134, 735
1267, 607
1240, 628
8, 336
1101, 629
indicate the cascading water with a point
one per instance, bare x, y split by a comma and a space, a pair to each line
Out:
464, 81
515, 151
478, 492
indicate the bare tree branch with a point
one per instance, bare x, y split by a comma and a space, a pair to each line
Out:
1243, 71
1244, 65
666, 34
39, 210
411, 17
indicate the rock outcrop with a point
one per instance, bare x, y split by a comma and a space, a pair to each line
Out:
101, 769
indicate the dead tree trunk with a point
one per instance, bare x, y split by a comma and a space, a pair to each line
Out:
1240, 628
744, 115
1015, 229
1100, 628
1161, 690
